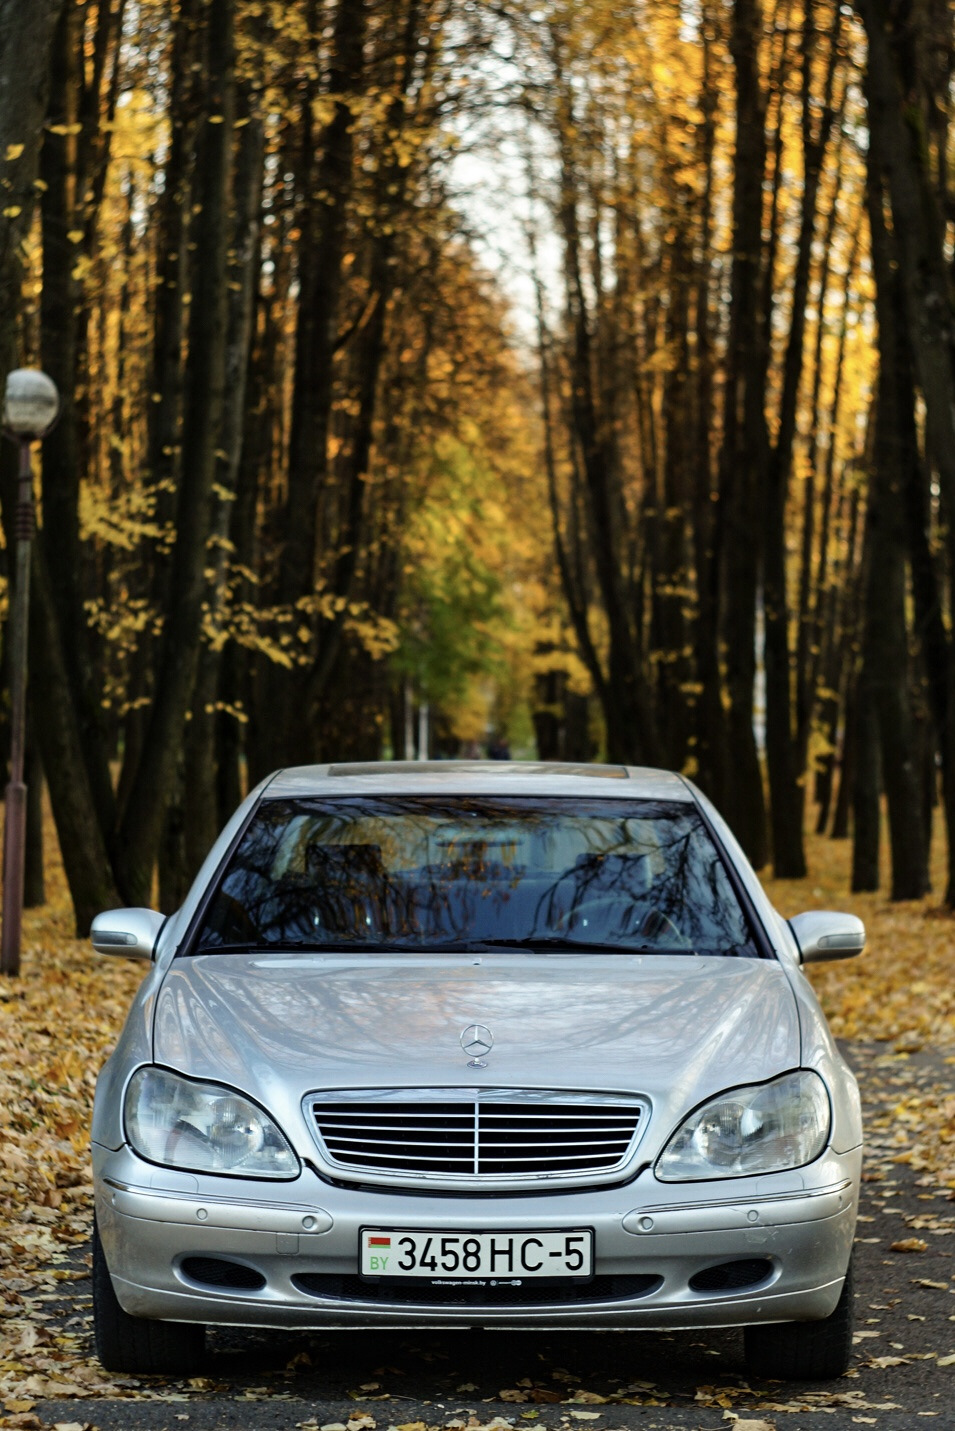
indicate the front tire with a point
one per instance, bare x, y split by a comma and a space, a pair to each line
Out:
804, 1351
139, 1344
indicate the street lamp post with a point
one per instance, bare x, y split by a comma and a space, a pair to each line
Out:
30, 406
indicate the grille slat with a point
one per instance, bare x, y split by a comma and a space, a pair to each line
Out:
489, 1114
488, 1143
477, 1139
415, 1156
407, 1125
410, 1141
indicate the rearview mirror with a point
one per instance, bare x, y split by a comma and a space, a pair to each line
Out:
823, 934
129, 932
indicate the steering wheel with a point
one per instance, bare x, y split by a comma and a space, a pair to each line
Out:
657, 925
651, 925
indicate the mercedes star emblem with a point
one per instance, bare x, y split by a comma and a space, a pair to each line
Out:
477, 1041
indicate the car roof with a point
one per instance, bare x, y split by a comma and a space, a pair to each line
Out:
478, 777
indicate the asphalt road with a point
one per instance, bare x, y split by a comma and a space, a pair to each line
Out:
905, 1319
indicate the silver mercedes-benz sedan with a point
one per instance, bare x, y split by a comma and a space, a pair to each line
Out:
460, 1043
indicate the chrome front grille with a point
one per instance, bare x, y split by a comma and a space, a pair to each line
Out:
502, 1137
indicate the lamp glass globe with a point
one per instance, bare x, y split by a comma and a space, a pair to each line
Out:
30, 403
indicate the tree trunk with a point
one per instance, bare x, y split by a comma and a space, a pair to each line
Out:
711, 749
26, 38
743, 455
237, 721
885, 634
172, 883
897, 123
672, 582
782, 748
846, 768
34, 885
865, 792
344, 536
28, 35
201, 772
60, 308
138, 838
170, 218
82, 842
326, 195
631, 731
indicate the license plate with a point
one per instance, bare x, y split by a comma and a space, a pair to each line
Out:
395, 1252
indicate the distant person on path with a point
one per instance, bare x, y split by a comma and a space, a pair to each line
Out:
498, 748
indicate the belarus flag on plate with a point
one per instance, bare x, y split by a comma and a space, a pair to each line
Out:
379, 1241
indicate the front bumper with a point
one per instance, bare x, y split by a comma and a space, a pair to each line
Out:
793, 1231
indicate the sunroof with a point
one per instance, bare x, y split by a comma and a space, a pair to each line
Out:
451, 768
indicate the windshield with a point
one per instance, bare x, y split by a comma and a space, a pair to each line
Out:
416, 873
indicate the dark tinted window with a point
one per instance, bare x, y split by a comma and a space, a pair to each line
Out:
438, 873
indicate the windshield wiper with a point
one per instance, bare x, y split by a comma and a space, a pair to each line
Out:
245, 946
534, 944
558, 942
324, 946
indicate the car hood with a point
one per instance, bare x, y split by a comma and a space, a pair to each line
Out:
673, 1028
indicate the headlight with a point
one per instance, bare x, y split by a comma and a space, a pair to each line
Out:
761, 1129
203, 1127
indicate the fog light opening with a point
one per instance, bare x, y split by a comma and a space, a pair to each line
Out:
738, 1276
221, 1272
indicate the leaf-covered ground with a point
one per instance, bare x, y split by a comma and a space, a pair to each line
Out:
895, 1007
57, 1023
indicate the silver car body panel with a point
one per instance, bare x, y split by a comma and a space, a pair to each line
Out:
283, 1026
667, 1030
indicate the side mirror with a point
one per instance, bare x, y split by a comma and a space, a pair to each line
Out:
129, 932
823, 934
